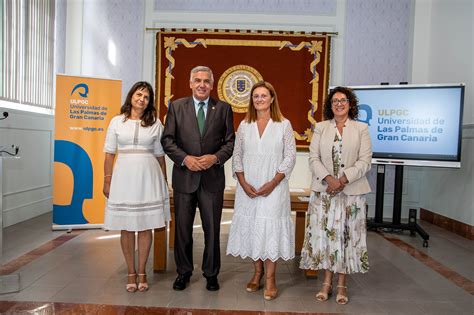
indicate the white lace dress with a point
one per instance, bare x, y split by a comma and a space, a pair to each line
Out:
138, 198
262, 227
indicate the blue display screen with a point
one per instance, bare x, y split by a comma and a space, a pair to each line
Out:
413, 122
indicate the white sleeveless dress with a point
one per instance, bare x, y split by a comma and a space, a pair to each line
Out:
138, 198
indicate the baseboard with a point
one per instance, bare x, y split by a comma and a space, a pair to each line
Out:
27, 211
460, 228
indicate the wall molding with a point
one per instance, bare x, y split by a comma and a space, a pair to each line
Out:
283, 7
24, 205
468, 131
5, 194
27, 181
460, 228
27, 212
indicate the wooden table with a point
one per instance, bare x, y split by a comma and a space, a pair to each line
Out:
160, 236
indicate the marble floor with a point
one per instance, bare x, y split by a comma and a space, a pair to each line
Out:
83, 272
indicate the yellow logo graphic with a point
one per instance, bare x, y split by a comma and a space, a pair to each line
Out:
235, 84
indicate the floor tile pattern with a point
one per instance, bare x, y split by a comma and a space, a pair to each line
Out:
84, 273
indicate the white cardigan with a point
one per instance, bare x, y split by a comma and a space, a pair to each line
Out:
355, 160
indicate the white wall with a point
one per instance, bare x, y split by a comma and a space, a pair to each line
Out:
26, 180
324, 19
439, 29
369, 36
386, 24
265, 15
442, 53
104, 39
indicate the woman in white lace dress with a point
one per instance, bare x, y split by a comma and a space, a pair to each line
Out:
136, 185
264, 156
340, 156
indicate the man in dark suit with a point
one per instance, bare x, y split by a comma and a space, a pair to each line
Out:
199, 138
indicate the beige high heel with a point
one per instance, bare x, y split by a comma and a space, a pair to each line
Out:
270, 294
341, 299
132, 287
323, 296
142, 286
252, 286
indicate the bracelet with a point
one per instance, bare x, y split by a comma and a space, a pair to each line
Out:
108, 175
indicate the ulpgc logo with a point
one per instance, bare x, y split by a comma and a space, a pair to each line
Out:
368, 113
82, 89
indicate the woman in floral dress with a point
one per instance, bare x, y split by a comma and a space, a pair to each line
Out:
340, 156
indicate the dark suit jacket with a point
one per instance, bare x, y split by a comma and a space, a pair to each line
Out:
181, 137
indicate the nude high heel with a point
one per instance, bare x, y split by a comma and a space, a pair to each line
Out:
267, 293
131, 287
252, 286
142, 286
323, 296
341, 298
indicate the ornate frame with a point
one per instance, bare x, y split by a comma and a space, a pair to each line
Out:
318, 46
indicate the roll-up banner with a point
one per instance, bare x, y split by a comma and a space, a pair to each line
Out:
84, 108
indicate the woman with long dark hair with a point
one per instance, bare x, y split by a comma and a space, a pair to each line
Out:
136, 185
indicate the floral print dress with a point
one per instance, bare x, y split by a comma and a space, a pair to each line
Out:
335, 237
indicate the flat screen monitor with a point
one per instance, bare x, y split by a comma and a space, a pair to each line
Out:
413, 124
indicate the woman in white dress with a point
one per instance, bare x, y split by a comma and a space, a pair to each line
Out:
136, 185
264, 156
339, 158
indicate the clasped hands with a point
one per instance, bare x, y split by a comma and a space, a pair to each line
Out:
200, 163
335, 185
263, 191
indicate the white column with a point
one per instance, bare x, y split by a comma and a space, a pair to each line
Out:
74, 20
421, 43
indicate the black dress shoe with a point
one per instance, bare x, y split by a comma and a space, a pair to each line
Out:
212, 284
180, 282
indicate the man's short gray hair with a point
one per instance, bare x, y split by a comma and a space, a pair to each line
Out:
201, 69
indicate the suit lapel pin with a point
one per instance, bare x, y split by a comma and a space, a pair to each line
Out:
213, 107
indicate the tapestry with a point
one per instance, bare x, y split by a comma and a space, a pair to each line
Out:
296, 64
